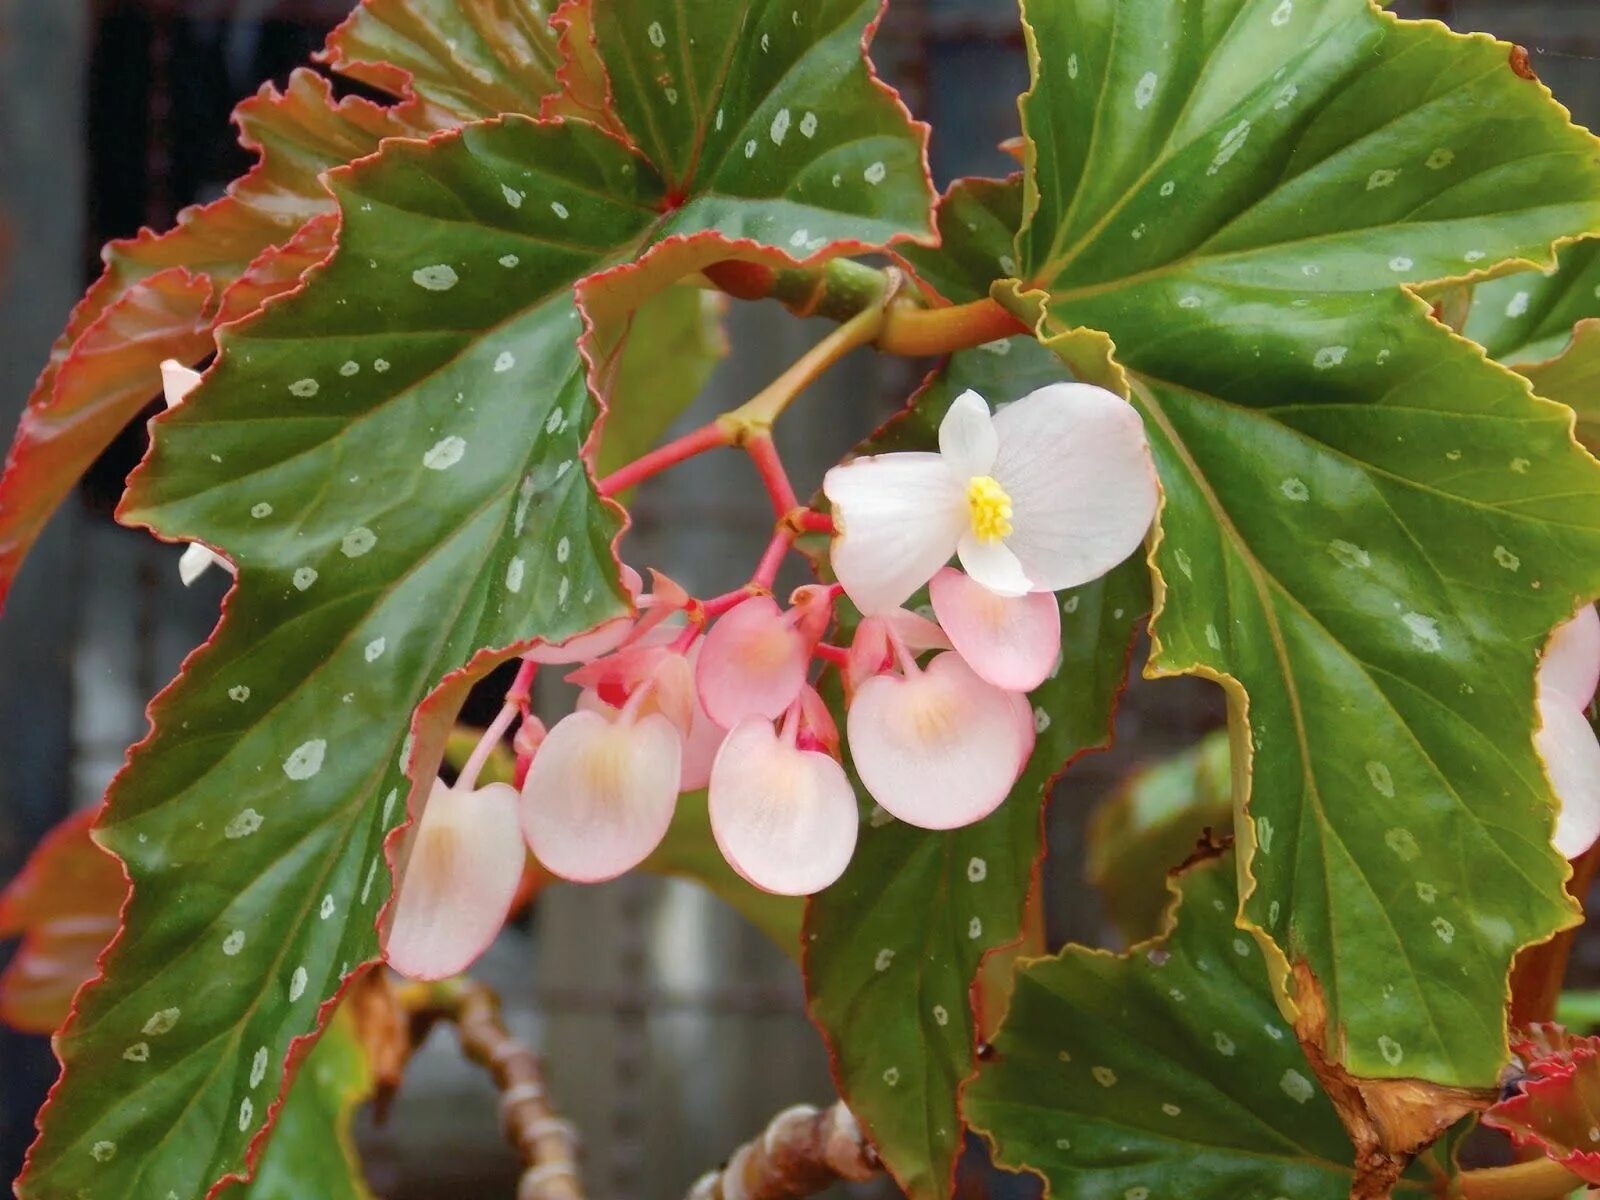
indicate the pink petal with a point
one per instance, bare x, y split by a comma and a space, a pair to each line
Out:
899, 517
967, 438
817, 730
177, 381
753, 663
1570, 667
940, 749
1011, 642
994, 566
699, 750
1075, 462
600, 794
603, 639
784, 818
871, 650
1571, 756
457, 885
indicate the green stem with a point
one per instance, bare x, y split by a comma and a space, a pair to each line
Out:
842, 290
1541, 1179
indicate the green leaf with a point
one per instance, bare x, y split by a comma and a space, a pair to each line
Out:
893, 948
674, 342
391, 456
459, 59
1528, 318
1368, 531
1547, 327
1164, 1072
310, 1150
1152, 824
689, 851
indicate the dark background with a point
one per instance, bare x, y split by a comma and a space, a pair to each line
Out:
672, 1030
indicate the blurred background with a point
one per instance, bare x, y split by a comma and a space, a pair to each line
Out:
671, 1029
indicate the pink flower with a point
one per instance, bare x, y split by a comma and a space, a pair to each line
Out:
458, 880
784, 815
1566, 742
600, 793
938, 747
1050, 492
753, 662
1010, 641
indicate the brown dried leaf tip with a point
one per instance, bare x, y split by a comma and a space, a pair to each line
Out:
1389, 1120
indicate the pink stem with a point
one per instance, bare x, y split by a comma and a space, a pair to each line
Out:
765, 456
767, 569
837, 655
717, 605
707, 437
812, 521
468, 779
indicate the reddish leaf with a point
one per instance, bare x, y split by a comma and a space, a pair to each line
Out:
160, 294
1557, 1106
64, 906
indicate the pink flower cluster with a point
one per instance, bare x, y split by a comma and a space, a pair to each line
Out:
1051, 493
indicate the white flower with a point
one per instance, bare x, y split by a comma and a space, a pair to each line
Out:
1566, 742
177, 381
1050, 492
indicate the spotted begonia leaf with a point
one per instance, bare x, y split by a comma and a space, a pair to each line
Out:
1164, 1072
893, 948
392, 457
1151, 824
1547, 327
311, 1150
1555, 1107
1368, 530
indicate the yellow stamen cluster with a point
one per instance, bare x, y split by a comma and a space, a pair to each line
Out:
989, 508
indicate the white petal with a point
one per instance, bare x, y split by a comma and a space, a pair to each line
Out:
458, 883
177, 381
940, 749
196, 558
1010, 641
899, 517
1570, 667
1571, 757
967, 438
1075, 462
993, 565
600, 794
783, 817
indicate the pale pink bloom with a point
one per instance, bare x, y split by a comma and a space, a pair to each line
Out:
460, 876
610, 681
177, 381
752, 663
602, 639
1566, 742
938, 747
1048, 493
601, 792
872, 649
784, 817
1010, 641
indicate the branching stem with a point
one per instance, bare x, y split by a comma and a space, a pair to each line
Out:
547, 1144
801, 1152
